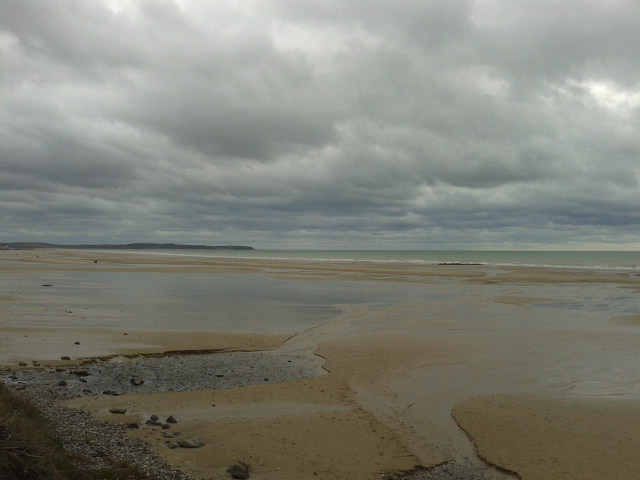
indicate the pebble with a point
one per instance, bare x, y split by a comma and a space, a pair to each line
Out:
192, 443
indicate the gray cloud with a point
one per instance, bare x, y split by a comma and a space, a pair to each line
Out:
470, 124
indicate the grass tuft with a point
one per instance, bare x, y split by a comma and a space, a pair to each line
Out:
29, 451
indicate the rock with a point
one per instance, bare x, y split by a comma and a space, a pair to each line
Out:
153, 423
111, 392
166, 426
171, 419
65, 357
62, 383
136, 381
133, 425
192, 443
80, 373
154, 418
117, 410
76, 343
23, 364
239, 470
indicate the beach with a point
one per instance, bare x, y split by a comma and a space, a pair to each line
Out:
369, 369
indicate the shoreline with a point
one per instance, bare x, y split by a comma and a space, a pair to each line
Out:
397, 368
154, 257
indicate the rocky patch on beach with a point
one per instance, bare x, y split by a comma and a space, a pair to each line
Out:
155, 374
459, 469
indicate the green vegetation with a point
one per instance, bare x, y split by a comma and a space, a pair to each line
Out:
241, 470
29, 451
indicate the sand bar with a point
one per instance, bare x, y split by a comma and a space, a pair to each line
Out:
434, 339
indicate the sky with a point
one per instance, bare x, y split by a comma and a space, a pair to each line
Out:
333, 124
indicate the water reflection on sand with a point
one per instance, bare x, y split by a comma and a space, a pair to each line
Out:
255, 303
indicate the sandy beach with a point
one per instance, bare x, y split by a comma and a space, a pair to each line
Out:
533, 371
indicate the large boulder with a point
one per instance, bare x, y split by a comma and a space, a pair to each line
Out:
191, 443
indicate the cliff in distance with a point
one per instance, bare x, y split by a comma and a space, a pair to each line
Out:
128, 246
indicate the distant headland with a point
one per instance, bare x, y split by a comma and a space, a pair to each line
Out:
127, 246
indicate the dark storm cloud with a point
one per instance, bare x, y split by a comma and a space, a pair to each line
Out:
375, 124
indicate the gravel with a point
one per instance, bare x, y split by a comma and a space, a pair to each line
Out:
167, 373
101, 443
458, 470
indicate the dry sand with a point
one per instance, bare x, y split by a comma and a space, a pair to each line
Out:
535, 369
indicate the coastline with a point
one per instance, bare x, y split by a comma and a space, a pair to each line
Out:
396, 370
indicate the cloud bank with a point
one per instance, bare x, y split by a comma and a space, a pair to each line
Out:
287, 124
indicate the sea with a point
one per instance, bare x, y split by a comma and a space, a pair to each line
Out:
616, 260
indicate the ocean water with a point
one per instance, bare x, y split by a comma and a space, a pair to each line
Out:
625, 260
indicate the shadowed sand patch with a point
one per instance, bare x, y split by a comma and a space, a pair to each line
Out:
522, 301
553, 438
9, 298
631, 320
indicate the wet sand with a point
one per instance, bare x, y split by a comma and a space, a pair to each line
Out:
529, 360
569, 438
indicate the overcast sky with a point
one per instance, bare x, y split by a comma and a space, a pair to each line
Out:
321, 124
